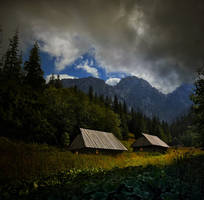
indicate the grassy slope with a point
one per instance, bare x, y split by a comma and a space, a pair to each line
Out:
46, 172
20, 160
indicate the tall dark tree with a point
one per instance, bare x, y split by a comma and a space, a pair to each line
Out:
95, 97
101, 97
124, 126
52, 81
115, 104
198, 99
10, 88
34, 73
134, 124
124, 107
107, 101
91, 93
13, 61
58, 83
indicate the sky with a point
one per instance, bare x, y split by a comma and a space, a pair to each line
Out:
160, 41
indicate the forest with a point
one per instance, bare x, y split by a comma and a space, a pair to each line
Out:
39, 120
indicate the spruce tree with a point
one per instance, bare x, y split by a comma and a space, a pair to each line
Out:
13, 61
90, 93
58, 83
101, 98
198, 99
51, 80
124, 126
124, 107
107, 101
115, 104
34, 73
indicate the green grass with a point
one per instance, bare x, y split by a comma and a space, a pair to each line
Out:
19, 160
33, 171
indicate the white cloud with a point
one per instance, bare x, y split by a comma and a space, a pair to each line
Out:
113, 81
63, 46
62, 76
91, 70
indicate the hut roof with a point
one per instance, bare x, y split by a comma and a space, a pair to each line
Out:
96, 139
149, 140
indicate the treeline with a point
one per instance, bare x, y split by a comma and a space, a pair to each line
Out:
183, 130
34, 111
134, 121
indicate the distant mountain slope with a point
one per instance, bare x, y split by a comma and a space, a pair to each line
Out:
99, 85
140, 95
178, 102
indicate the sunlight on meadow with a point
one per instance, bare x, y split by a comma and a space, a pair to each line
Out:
20, 160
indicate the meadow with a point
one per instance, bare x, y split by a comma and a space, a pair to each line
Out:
47, 172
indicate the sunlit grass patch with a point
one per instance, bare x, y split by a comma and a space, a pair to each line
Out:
19, 160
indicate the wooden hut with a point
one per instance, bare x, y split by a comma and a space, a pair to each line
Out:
149, 143
92, 141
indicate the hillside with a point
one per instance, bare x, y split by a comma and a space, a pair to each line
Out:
47, 172
140, 95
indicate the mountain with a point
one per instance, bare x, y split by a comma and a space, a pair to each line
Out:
140, 95
178, 102
99, 85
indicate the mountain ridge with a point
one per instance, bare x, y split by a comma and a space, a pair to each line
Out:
140, 95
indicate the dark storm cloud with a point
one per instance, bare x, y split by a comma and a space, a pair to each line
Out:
159, 40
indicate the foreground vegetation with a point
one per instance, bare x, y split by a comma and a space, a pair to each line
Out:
31, 171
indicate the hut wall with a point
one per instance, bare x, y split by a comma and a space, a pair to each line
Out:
150, 148
97, 151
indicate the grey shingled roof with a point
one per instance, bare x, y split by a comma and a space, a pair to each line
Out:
148, 140
96, 139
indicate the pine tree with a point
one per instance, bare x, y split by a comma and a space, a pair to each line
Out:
198, 99
124, 107
135, 124
58, 83
51, 80
90, 93
124, 127
107, 101
34, 73
167, 132
115, 104
12, 63
101, 98
95, 97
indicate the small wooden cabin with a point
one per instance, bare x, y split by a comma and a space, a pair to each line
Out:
149, 143
92, 141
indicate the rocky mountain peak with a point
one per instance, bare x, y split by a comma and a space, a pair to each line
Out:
140, 95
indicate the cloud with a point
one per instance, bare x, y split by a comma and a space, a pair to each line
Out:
91, 70
62, 76
63, 46
113, 81
161, 41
